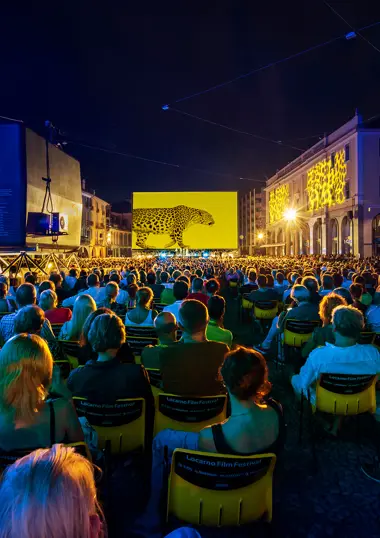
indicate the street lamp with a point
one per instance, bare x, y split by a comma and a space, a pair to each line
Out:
260, 235
290, 214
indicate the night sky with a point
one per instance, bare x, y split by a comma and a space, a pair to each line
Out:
101, 75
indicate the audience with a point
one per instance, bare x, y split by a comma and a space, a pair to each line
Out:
191, 365
372, 315
215, 331
197, 293
4, 303
83, 306
93, 289
49, 302
166, 329
212, 287
28, 418
264, 293
154, 286
345, 356
50, 493
142, 315
29, 319
180, 292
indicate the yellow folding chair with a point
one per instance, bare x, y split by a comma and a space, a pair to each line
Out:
219, 490
188, 413
265, 310
71, 348
56, 328
120, 425
297, 332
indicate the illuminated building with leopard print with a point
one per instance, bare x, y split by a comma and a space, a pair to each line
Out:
327, 201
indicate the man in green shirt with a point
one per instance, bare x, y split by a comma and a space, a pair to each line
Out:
215, 331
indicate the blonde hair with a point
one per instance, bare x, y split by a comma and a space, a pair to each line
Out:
84, 306
26, 368
348, 321
327, 305
50, 492
48, 300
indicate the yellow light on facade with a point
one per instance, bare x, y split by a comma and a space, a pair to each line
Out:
50, 265
260, 235
290, 214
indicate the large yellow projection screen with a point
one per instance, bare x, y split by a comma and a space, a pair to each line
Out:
195, 220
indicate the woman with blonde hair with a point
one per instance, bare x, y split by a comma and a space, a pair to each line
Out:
48, 302
28, 419
84, 305
324, 334
142, 315
48, 493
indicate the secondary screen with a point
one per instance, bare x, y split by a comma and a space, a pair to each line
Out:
195, 220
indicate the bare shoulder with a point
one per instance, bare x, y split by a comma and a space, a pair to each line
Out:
206, 440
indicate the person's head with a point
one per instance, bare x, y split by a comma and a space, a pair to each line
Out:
48, 300
293, 278
193, 317
46, 285
142, 276
280, 277
359, 279
245, 374
252, 276
347, 322
311, 283
327, 305
176, 274
114, 277
327, 282
338, 280
31, 279
151, 278
26, 368
262, 281
300, 294
197, 285
29, 319
112, 290
212, 287
270, 281
73, 273
164, 277
345, 293
25, 295
166, 326
131, 279
144, 297
180, 290
50, 492
356, 291
56, 279
107, 334
3, 290
93, 281
216, 307
84, 305
88, 323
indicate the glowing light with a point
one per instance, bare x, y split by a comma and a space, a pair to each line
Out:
290, 214
50, 265
205, 254
163, 255
260, 235
278, 202
326, 183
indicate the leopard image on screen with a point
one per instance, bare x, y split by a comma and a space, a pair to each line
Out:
172, 221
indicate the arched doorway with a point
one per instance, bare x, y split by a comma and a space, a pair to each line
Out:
94, 253
317, 237
280, 239
346, 236
376, 235
334, 236
305, 239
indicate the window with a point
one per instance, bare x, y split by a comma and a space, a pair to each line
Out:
347, 190
333, 160
347, 152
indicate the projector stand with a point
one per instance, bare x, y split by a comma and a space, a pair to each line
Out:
53, 259
23, 258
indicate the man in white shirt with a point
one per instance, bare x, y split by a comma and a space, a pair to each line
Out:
93, 290
373, 314
180, 292
345, 357
122, 296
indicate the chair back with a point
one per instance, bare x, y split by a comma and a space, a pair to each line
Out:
159, 307
56, 328
265, 309
245, 303
297, 332
71, 349
188, 413
155, 378
233, 284
220, 490
343, 394
119, 425
367, 337
64, 366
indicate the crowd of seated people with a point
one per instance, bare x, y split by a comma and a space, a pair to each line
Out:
195, 353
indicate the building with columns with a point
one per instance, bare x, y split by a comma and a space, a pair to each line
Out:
327, 201
95, 221
119, 235
251, 220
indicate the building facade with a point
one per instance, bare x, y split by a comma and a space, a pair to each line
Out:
327, 201
95, 213
251, 221
119, 235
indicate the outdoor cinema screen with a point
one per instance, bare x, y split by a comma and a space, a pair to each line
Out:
195, 220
